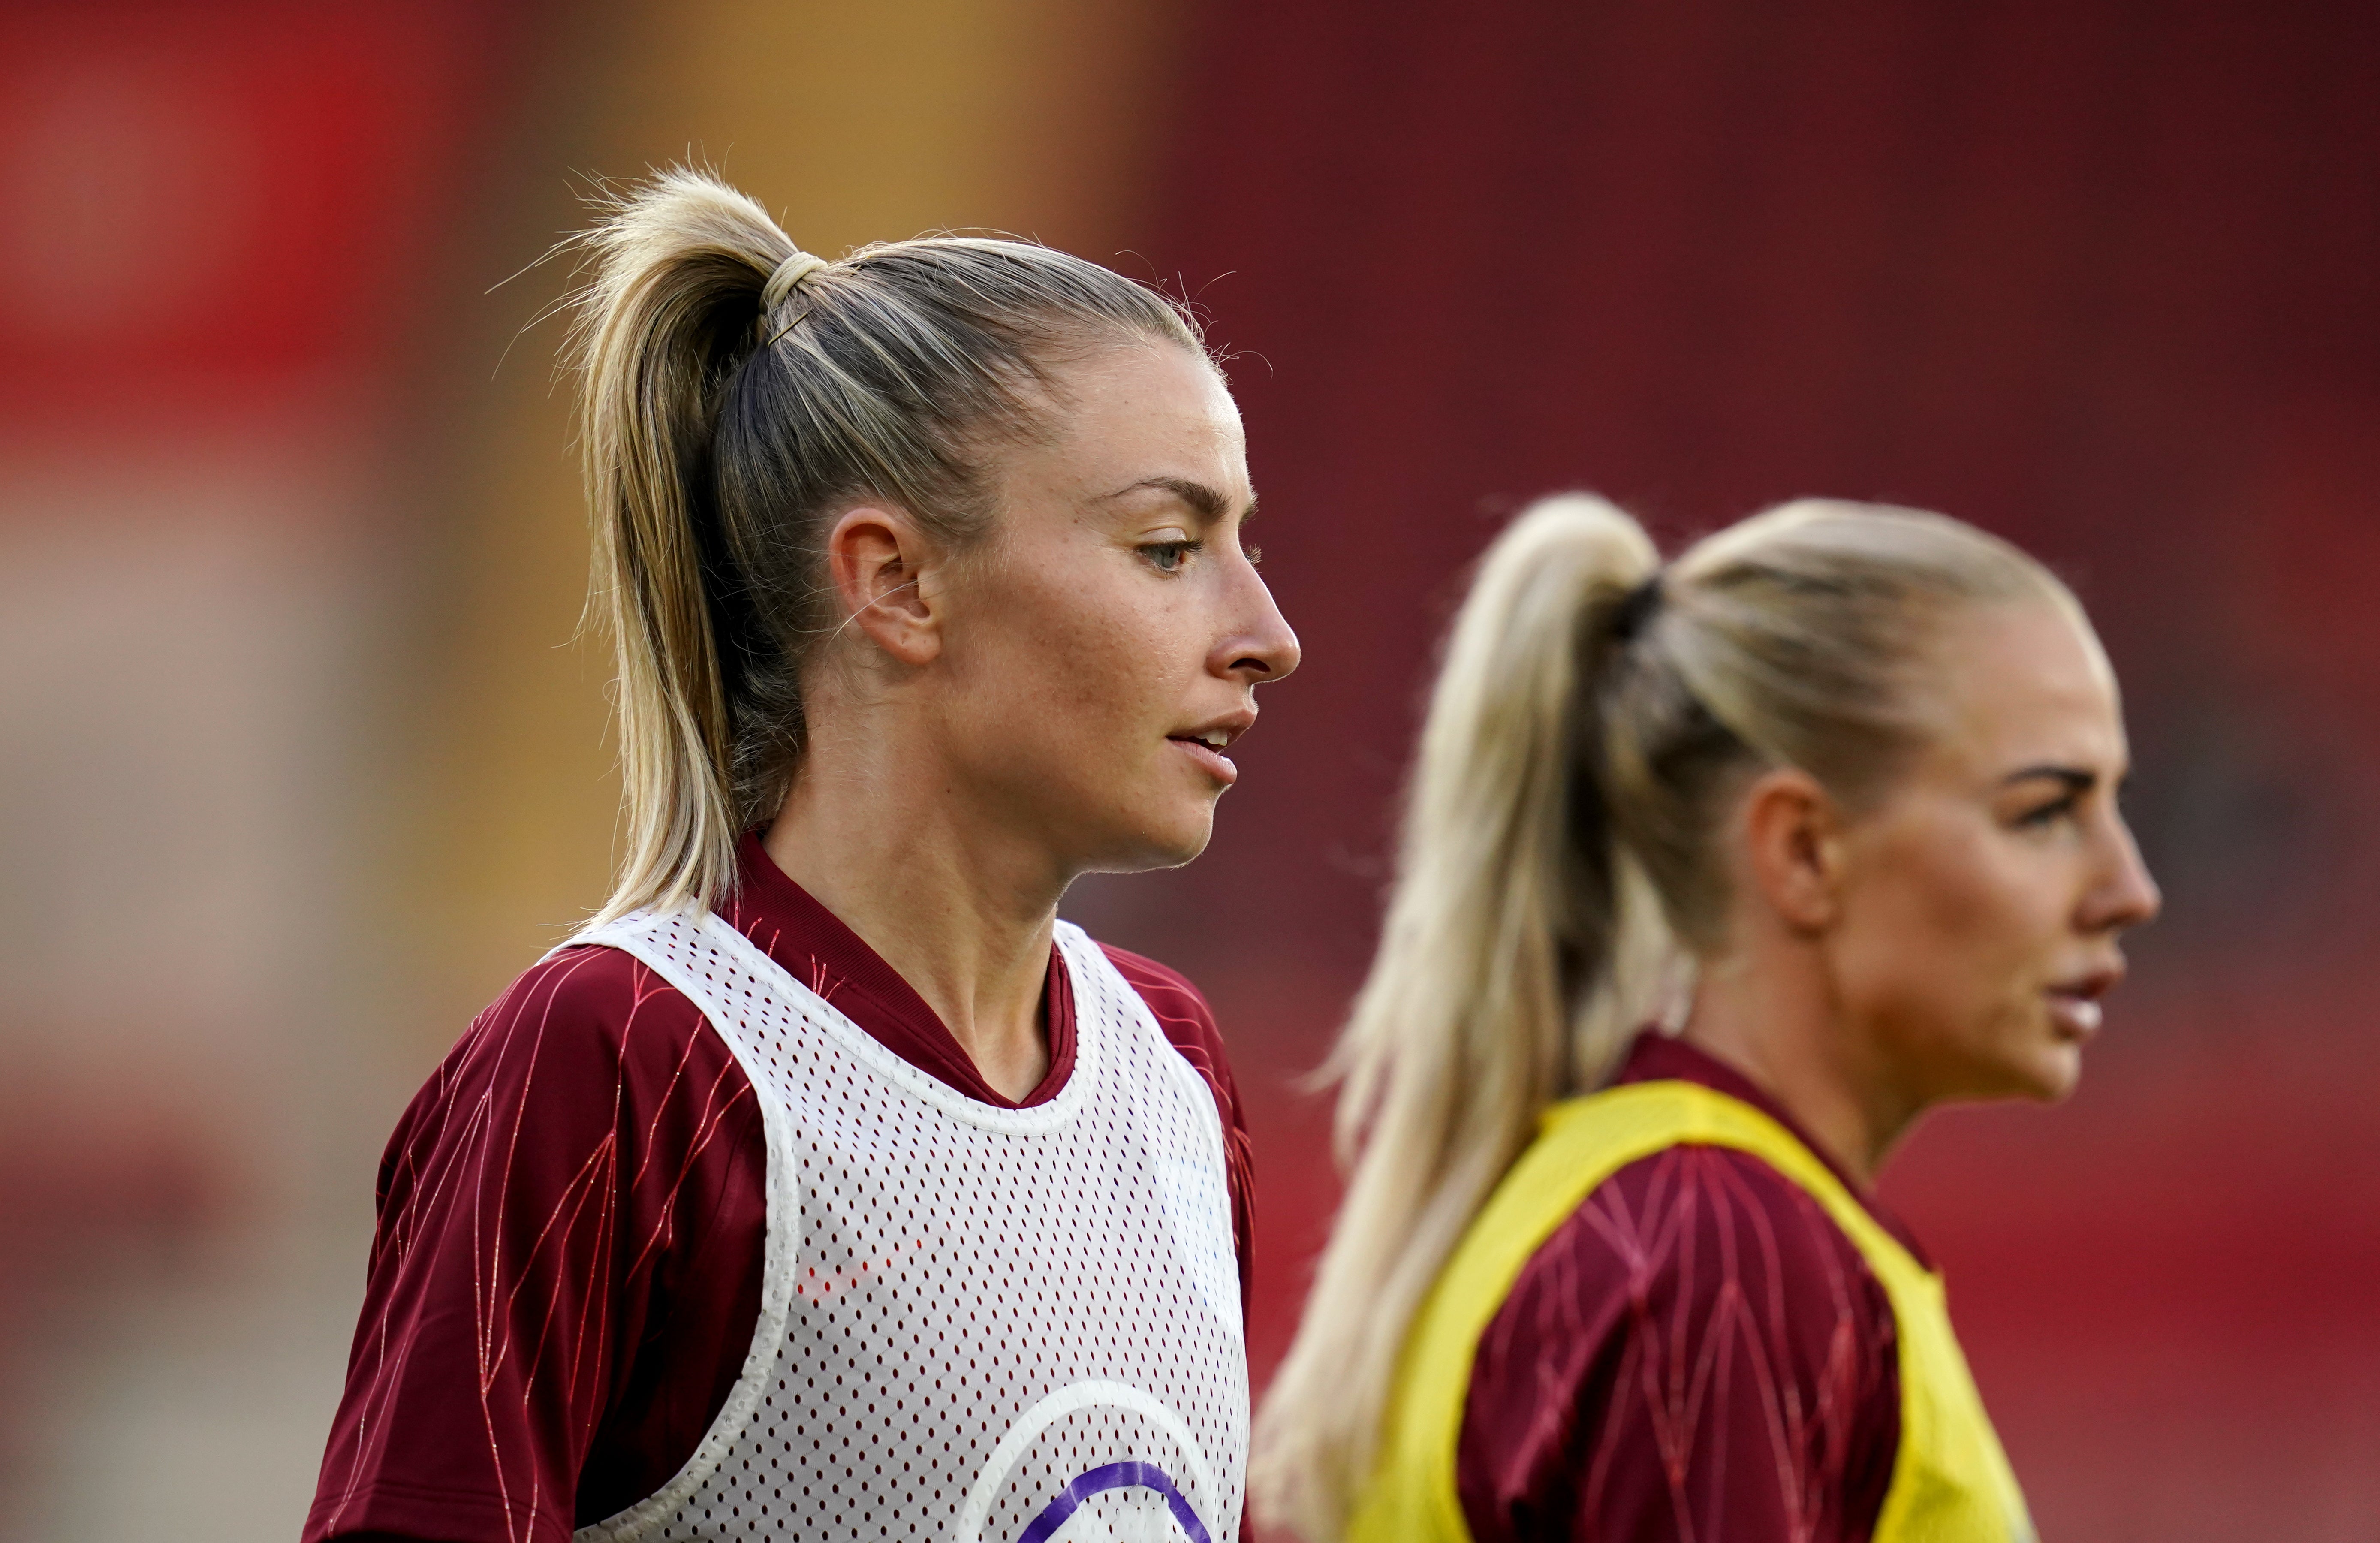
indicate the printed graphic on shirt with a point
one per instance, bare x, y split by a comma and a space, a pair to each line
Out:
1053, 1477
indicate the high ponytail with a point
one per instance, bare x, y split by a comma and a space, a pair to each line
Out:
679, 268
726, 420
1562, 864
1507, 898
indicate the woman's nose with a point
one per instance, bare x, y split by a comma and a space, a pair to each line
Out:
1262, 648
2129, 896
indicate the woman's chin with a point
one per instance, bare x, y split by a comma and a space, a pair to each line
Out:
2051, 1073
1182, 844
2038, 1068
1166, 839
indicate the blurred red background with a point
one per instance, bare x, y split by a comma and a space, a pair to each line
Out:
298, 771
2099, 278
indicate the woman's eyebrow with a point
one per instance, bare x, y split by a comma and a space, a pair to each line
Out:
1209, 502
2077, 779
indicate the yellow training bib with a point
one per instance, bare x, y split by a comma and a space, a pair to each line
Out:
1950, 1481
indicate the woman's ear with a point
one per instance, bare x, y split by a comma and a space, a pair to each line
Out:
876, 559
1793, 846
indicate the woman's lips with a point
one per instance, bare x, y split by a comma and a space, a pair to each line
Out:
2075, 1015
1216, 764
2074, 1002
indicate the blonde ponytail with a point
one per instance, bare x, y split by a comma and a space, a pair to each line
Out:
1471, 1022
1560, 867
679, 270
725, 419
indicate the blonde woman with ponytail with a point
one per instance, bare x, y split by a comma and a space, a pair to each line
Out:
826, 1186
1715, 876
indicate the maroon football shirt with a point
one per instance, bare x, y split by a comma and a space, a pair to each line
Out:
1697, 1354
566, 1277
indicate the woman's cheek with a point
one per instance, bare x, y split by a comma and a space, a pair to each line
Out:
1946, 933
1892, 972
2006, 1020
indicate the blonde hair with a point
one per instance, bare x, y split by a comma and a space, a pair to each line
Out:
725, 419
1592, 718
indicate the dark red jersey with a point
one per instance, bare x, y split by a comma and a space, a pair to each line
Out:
1699, 1354
566, 1275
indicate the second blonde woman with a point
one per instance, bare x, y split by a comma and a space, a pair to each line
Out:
1831, 800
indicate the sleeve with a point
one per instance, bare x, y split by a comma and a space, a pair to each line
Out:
1189, 1024
1698, 1352
533, 1194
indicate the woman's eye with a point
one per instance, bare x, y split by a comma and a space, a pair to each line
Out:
2047, 814
1167, 556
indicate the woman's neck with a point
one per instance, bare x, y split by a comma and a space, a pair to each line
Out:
1772, 1017
959, 909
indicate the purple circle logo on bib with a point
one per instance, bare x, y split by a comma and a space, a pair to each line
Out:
1108, 1480
1155, 1485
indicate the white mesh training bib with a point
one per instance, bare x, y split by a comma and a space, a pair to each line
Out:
979, 1325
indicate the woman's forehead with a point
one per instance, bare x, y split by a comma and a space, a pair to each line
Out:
2026, 682
1146, 419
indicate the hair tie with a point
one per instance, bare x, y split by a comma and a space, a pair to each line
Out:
1637, 608
789, 272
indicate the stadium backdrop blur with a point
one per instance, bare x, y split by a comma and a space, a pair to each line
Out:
301, 764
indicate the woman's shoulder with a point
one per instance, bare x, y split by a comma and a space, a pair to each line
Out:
577, 1191
1692, 1229
580, 1000
1696, 1267
1165, 989
582, 1035
1181, 1011
1698, 1220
